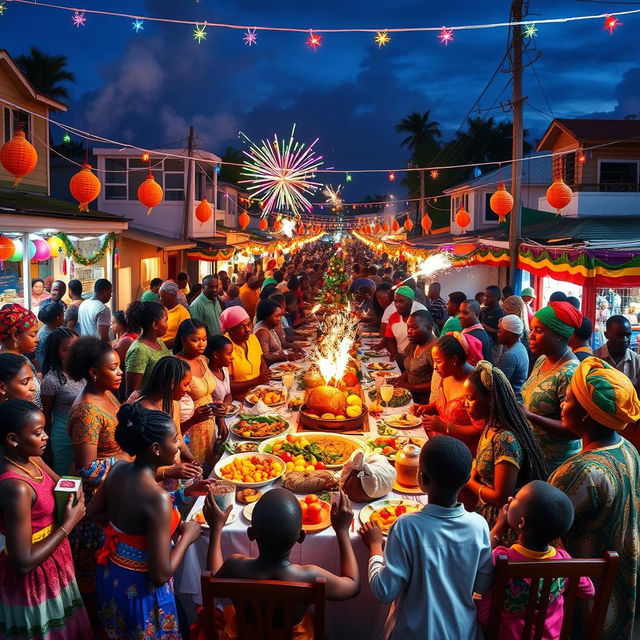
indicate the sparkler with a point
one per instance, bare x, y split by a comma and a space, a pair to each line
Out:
332, 354
279, 173
432, 265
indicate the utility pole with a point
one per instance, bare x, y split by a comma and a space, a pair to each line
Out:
421, 197
189, 199
516, 150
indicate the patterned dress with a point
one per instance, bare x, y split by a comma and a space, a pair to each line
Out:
141, 358
89, 424
543, 393
45, 604
502, 446
604, 487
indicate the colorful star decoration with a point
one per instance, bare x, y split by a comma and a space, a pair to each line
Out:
137, 26
382, 38
611, 23
348, 177
446, 36
200, 33
530, 31
66, 138
250, 37
78, 19
315, 40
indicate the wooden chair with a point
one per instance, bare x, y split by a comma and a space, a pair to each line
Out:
266, 601
602, 570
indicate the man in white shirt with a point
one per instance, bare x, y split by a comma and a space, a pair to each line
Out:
616, 350
396, 330
94, 317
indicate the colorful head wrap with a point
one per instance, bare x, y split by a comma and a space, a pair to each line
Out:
232, 317
15, 315
605, 393
407, 292
471, 345
268, 281
561, 317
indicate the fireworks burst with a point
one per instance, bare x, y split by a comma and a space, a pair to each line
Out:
333, 195
279, 173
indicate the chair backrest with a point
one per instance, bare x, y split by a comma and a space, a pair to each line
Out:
263, 602
542, 573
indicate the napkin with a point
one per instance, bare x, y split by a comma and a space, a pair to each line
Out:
258, 409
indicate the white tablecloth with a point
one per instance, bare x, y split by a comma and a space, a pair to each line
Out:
361, 617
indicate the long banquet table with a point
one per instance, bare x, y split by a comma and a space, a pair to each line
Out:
361, 617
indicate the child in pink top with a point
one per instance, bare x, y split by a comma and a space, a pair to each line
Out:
540, 514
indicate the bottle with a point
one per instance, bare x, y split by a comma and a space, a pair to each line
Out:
407, 465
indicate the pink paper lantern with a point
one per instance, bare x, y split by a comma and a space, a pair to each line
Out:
43, 250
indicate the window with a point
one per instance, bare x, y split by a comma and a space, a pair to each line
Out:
618, 176
115, 178
123, 176
174, 179
457, 202
564, 166
149, 269
14, 118
489, 215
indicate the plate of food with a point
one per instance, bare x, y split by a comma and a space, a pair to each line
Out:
199, 518
250, 469
390, 446
386, 512
380, 366
258, 427
314, 449
271, 396
402, 421
279, 368
401, 398
316, 513
241, 447
233, 408
370, 334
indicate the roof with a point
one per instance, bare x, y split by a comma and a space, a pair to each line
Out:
162, 242
592, 130
27, 87
535, 171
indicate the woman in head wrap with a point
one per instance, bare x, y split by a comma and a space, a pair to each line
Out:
544, 391
508, 457
603, 483
248, 367
19, 334
170, 298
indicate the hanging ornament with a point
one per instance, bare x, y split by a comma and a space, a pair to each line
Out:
18, 156
150, 193
116, 258
204, 211
244, 220
385, 227
314, 41
7, 248
462, 219
85, 187
559, 195
611, 23
17, 253
395, 227
408, 225
445, 36
65, 270
501, 202
277, 225
377, 228
263, 224
391, 176
56, 245
426, 223
43, 250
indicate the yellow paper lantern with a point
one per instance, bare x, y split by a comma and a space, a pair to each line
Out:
18, 156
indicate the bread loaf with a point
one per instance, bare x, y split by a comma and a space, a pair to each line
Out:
310, 481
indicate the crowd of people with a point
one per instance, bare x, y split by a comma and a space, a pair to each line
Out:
531, 451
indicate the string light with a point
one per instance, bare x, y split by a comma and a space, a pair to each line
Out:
530, 31
137, 25
78, 19
250, 37
348, 177
314, 41
611, 23
446, 36
66, 138
382, 38
200, 33
434, 174
391, 176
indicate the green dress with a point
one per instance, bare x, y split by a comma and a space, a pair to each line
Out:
502, 446
543, 393
141, 359
604, 487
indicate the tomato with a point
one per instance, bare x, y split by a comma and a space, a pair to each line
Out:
320, 465
400, 509
388, 450
291, 438
304, 506
311, 498
286, 456
384, 514
314, 513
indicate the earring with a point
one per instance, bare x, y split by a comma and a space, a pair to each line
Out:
95, 378
14, 444
15, 343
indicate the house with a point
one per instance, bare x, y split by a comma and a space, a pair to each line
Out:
600, 161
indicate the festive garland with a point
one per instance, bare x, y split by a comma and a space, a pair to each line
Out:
86, 261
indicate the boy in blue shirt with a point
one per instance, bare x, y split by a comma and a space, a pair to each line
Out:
435, 559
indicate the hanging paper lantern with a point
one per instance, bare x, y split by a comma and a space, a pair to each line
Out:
244, 220
150, 193
17, 253
377, 228
385, 227
56, 245
85, 187
501, 202
408, 225
7, 248
277, 225
426, 223
559, 195
43, 250
263, 224
395, 227
204, 211
18, 156
462, 219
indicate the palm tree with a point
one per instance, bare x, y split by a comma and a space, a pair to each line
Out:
46, 73
232, 173
423, 133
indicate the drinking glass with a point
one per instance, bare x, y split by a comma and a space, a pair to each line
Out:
288, 378
386, 393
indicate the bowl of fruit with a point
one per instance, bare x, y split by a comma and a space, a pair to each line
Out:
250, 469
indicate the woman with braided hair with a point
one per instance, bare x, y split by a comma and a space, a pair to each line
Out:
508, 456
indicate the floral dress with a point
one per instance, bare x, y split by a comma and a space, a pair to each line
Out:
543, 393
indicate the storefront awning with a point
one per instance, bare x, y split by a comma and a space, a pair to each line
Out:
156, 240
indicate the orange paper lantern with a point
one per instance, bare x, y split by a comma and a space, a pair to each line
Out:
395, 227
385, 227
244, 220
408, 225
426, 223
462, 219
277, 225
263, 224
559, 195
85, 187
204, 211
18, 156
7, 248
150, 193
501, 202
377, 228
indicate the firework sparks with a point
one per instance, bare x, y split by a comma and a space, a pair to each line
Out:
288, 227
250, 37
279, 173
332, 354
78, 19
434, 264
333, 195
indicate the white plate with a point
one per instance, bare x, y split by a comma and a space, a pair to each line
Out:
368, 509
233, 408
416, 421
247, 512
244, 485
270, 387
233, 516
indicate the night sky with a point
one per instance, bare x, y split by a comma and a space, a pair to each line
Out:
147, 88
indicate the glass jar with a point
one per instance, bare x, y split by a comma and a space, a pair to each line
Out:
407, 465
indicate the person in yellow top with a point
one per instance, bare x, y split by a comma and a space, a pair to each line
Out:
248, 367
250, 295
176, 313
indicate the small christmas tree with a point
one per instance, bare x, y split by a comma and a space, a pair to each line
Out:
336, 283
